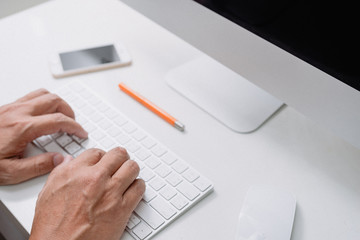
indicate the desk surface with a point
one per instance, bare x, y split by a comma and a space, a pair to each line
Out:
289, 151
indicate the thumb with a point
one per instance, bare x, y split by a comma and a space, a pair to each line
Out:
31, 167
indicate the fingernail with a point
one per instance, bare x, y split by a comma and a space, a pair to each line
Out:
68, 158
57, 159
83, 134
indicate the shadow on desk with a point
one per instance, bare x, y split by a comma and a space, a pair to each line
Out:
2, 237
10, 228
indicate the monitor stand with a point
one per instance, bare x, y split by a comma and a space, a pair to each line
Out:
228, 97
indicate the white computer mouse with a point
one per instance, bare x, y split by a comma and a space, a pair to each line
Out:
267, 214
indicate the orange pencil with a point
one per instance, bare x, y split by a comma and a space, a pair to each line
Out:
161, 113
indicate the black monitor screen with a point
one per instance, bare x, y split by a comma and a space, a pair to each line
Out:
322, 33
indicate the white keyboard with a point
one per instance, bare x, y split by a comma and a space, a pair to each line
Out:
172, 185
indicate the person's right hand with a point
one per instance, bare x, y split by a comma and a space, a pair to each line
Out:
90, 197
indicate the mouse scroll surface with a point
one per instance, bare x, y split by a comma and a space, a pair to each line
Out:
267, 214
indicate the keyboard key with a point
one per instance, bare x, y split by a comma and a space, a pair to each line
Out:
202, 184
127, 236
142, 154
54, 147
72, 148
86, 94
190, 175
168, 192
81, 120
159, 150
88, 143
120, 120
102, 107
142, 231
146, 174
179, 201
130, 225
89, 127
96, 117
132, 146
152, 162
174, 179
70, 98
149, 215
133, 221
149, 142
94, 101
122, 139
79, 103
180, 166
77, 87
105, 124
129, 127
157, 184
188, 190
56, 135
64, 92
163, 170
107, 143
114, 131
77, 139
86, 110
111, 114
149, 195
64, 140
43, 140
169, 158
163, 207
138, 135
97, 135
140, 163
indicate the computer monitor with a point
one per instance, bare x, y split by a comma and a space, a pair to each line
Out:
304, 53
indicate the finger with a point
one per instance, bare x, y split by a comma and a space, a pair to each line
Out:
68, 158
53, 123
126, 175
50, 103
134, 193
90, 156
33, 94
113, 160
19, 170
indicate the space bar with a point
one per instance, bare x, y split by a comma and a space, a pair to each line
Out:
149, 215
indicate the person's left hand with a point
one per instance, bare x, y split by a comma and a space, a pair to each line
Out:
36, 114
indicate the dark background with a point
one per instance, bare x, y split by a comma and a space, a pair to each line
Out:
322, 33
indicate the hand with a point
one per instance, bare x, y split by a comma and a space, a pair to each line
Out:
91, 197
38, 113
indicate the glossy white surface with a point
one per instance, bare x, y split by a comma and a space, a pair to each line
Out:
267, 214
289, 151
234, 101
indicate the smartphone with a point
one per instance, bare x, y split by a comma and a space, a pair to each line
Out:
91, 59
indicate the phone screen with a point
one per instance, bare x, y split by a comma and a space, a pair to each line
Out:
88, 57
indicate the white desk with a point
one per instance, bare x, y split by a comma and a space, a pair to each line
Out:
289, 151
